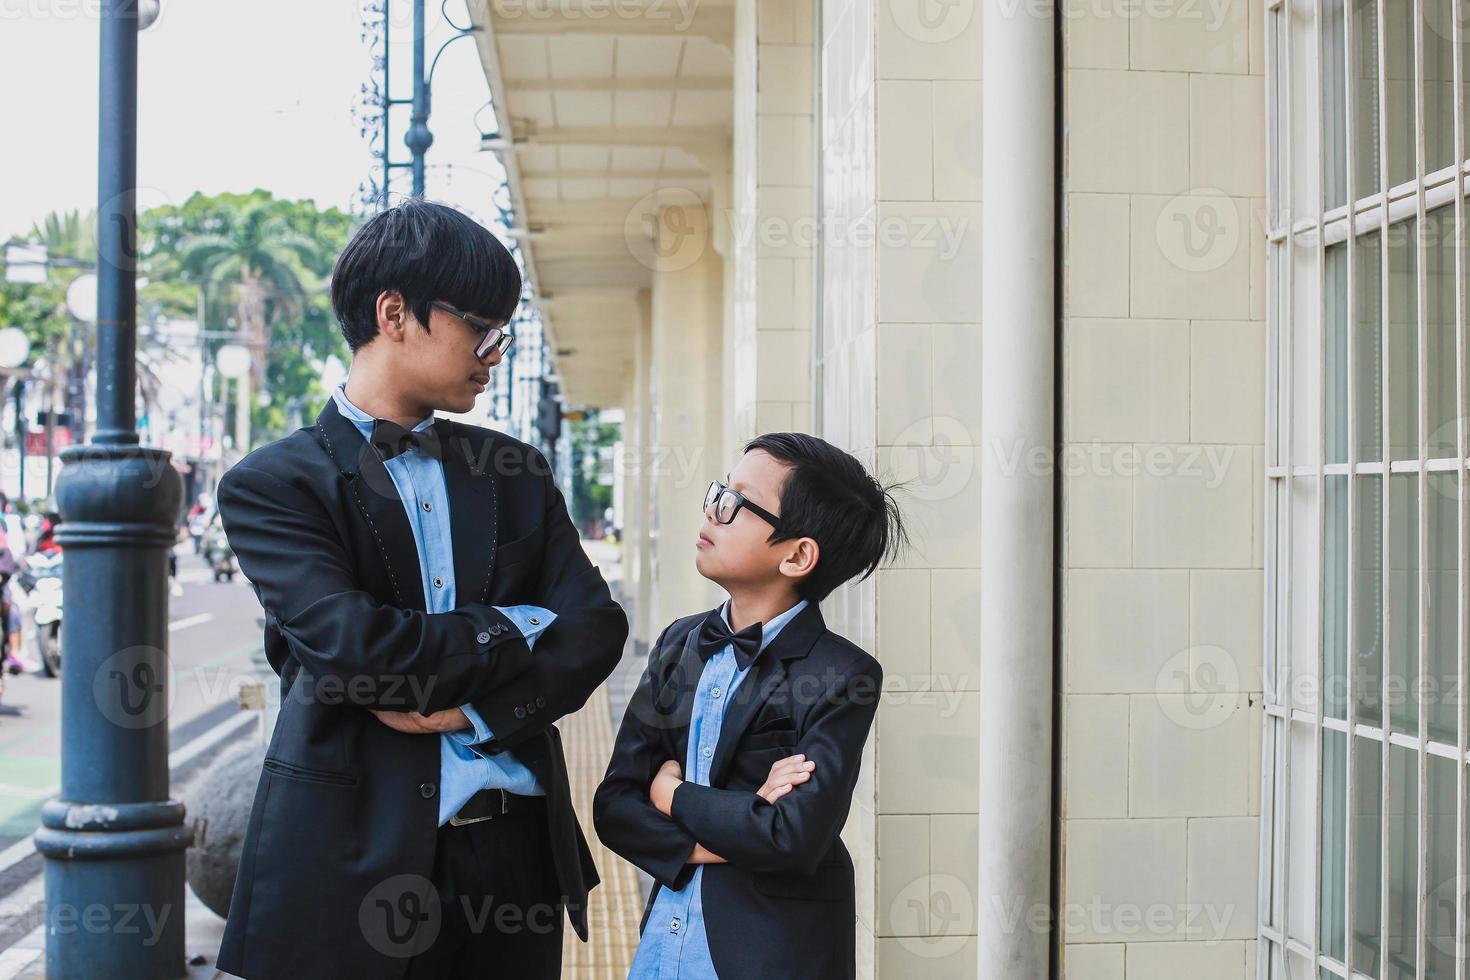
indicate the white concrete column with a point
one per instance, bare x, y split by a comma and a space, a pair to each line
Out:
687, 320
1016, 512
640, 547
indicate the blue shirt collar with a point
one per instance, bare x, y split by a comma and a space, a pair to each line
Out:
771, 628
357, 415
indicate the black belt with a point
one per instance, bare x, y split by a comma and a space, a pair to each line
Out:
488, 804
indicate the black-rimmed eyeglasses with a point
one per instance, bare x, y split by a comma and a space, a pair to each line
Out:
494, 338
727, 504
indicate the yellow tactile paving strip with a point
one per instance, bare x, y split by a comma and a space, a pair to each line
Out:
615, 905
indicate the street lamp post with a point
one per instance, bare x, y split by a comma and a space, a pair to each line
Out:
113, 840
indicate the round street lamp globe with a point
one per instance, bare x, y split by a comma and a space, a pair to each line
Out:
81, 297
15, 347
232, 360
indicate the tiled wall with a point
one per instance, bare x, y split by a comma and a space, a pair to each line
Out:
1162, 403
772, 219
899, 363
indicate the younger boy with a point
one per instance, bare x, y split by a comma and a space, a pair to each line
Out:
735, 764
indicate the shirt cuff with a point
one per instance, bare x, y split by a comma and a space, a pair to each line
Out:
530, 620
481, 731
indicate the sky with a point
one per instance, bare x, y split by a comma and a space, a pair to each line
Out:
231, 97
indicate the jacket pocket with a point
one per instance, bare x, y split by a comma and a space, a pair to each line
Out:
290, 770
771, 739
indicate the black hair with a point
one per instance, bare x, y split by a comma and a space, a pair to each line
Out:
427, 252
830, 497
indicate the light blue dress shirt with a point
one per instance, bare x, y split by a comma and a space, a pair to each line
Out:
674, 945
419, 479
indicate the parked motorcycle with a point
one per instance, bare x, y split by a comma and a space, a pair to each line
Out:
40, 595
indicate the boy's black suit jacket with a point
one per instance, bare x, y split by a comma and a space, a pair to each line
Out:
783, 905
334, 873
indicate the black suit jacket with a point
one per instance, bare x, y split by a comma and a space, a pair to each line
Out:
783, 905
334, 873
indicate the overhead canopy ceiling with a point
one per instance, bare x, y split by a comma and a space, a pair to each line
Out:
602, 104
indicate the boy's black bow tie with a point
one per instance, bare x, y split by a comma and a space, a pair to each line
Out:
715, 635
390, 439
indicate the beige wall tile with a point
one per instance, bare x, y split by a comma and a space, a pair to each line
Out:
903, 875
1223, 854
1188, 755
1190, 256
928, 756
1227, 381
1226, 139
1096, 272
939, 504
785, 150
1097, 508
1190, 35
1192, 507
956, 141
909, 45
905, 384
1092, 961
928, 262
1095, 734
1124, 881
933, 958
1093, 36
784, 77
1152, 406
955, 628
1197, 961
954, 854
903, 624
783, 357
1123, 131
956, 381
1121, 626
1225, 609
906, 140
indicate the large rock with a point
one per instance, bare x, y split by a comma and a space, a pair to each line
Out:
218, 804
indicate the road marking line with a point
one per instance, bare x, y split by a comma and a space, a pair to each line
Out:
187, 621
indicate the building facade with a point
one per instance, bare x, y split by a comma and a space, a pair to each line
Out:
1199, 262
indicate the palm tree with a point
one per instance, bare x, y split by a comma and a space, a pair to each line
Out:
266, 261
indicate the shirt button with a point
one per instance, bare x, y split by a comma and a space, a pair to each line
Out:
535, 621
714, 692
438, 583
706, 751
426, 790
428, 506
674, 926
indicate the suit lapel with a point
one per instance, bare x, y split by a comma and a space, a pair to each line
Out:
473, 515
793, 642
371, 488
677, 696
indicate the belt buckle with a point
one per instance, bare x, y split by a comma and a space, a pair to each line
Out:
458, 821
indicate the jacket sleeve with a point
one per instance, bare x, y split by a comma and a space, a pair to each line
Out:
795, 832
354, 648
578, 650
625, 819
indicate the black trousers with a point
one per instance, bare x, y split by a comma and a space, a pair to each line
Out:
500, 911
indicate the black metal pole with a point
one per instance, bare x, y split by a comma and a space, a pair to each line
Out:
113, 840
418, 138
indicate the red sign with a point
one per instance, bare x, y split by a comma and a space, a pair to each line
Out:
36, 440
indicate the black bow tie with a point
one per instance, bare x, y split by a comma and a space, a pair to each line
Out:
390, 439
715, 635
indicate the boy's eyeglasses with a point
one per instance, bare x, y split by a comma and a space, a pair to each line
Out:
727, 504
494, 339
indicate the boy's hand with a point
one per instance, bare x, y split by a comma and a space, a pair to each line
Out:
785, 775
413, 723
661, 790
